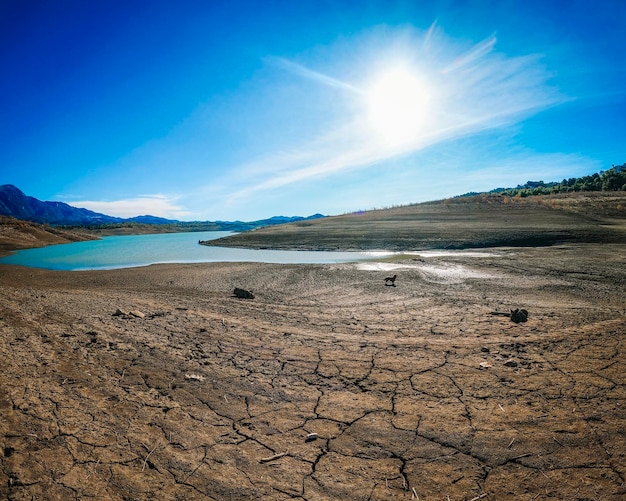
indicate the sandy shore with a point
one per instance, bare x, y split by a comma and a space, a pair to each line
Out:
327, 385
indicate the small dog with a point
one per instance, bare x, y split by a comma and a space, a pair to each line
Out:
391, 280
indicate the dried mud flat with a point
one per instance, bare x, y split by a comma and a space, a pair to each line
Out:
327, 385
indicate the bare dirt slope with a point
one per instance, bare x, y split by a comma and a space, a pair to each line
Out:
457, 223
412, 391
16, 234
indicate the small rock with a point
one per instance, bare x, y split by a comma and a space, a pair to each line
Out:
137, 313
310, 437
485, 365
510, 363
243, 293
120, 313
484, 349
519, 315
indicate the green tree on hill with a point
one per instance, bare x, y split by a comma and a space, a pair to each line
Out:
613, 179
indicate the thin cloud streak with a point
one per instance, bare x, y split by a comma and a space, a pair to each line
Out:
308, 73
429, 35
479, 50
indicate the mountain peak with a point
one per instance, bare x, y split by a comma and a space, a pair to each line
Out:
14, 203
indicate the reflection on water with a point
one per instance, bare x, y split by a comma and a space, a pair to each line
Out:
442, 272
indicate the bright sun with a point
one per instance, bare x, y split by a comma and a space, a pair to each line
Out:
397, 105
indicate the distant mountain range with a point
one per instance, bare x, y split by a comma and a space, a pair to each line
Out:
14, 203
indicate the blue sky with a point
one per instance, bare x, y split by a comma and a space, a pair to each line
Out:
211, 110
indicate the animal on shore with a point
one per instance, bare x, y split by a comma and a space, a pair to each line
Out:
391, 280
243, 293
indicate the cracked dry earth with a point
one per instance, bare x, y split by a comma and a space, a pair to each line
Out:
413, 392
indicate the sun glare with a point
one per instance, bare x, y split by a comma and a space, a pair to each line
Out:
397, 105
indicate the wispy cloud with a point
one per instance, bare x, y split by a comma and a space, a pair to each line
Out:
305, 72
481, 49
475, 89
153, 205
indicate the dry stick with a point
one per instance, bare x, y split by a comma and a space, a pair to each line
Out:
414, 494
510, 443
197, 467
444, 457
193, 471
20, 435
272, 458
93, 469
146, 460
479, 497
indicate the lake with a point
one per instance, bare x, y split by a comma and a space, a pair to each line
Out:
142, 250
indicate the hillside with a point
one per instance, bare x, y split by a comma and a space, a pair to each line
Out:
485, 220
136, 227
16, 234
465, 222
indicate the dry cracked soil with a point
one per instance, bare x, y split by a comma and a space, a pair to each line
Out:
327, 385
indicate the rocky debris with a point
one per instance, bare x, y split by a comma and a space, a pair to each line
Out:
243, 293
129, 314
517, 315
311, 437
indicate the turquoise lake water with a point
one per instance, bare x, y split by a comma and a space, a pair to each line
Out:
142, 250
